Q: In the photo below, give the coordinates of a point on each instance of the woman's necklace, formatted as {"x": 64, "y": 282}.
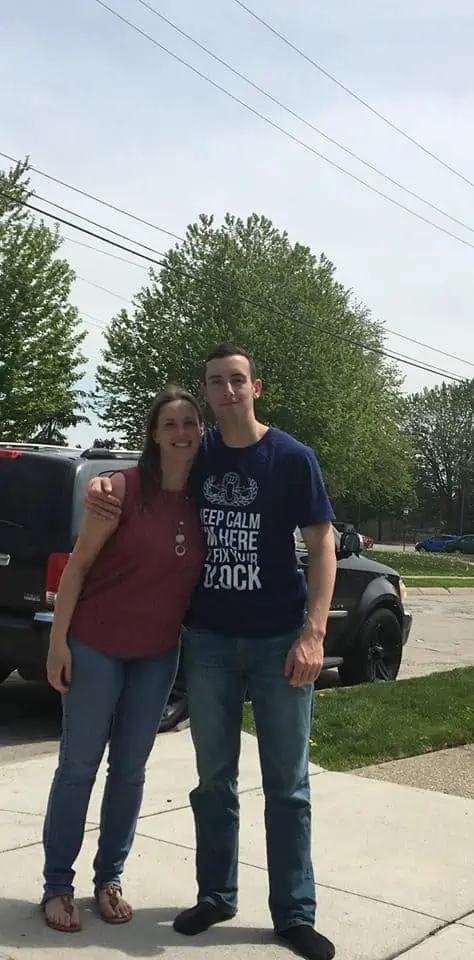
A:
{"x": 180, "y": 540}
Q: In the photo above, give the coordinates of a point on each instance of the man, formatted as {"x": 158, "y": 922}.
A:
{"x": 253, "y": 627}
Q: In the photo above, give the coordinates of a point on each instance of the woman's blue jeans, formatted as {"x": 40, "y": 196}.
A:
{"x": 110, "y": 700}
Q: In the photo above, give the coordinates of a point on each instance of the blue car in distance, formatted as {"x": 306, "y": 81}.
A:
{"x": 436, "y": 544}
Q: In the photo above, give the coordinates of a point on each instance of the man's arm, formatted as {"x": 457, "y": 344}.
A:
{"x": 305, "y": 659}
{"x": 319, "y": 541}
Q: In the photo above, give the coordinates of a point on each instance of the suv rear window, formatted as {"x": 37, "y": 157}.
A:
{"x": 33, "y": 500}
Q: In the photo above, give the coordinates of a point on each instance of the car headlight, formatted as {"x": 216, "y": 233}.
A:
{"x": 403, "y": 592}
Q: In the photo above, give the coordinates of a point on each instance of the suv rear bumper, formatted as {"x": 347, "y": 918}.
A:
{"x": 24, "y": 640}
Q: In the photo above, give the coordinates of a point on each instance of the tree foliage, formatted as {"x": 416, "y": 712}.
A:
{"x": 316, "y": 348}
{"x": 40, "y": 358}
{"x": 105, "y": 443}
{"x": 440, "y": 422}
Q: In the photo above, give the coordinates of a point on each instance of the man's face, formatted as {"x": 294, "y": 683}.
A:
{"x": 229, "y": 389}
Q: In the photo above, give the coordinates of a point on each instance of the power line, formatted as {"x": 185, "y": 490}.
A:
{"x": 301, "y": 119}
{"x": 105, "y": 253}
{"x": 94, "y": 223}
{"x": 420, "y": 343}
{"x": 91, "y": 233}
{"x": 98, "y": 323}
{"x": 90, "y": 322}
{"x": 353, "y": 94}
{"x": 98, "y": 286}
{"x": 402, "y": 358}
{"x": 90, "y": 196}
{"x": 280, "y": 129}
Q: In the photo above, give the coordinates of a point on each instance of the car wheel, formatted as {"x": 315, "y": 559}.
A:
{"x": 376, "y": 654}
{"x": 421, "y": 549}
{"x": 176, "y": 710}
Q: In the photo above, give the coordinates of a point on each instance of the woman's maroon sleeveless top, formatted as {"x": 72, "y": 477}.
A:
{"x": 137, "y": 592}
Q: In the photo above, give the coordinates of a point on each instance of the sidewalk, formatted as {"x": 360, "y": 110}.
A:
{"x": 395, "y": 868}
{"x": 447, "y": 771}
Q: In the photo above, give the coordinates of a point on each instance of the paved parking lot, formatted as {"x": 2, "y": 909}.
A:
{"x": 442, "y": 636}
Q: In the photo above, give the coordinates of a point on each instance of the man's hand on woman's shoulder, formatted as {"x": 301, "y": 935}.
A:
{"x": 104, "y": 497}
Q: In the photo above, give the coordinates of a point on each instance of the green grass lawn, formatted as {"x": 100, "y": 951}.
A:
{"x": 433, "y": 581}
{"x": 428, "y": 569}
{"x": 358, "y": 726}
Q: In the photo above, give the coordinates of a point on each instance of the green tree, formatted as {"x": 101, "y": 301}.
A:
{"x": 106, "y": 443}
{"x": 440, "y": 422}
{"x": 246, "y": 282}
{"x": 40, "y": 358}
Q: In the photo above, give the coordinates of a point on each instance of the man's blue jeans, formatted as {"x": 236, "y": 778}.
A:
{"x": 110, "y": 698}
{"x": 219, "y": 671}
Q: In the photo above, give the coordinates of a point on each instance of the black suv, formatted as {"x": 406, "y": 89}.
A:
{"x": 42, "y": 490}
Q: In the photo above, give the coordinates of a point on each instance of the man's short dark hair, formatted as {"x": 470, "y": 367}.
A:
{"x": 227, "y": 350}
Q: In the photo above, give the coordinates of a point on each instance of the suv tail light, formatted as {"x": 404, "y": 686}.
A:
{"x": 54, "y": 571}
{"x": 10, "y": 454}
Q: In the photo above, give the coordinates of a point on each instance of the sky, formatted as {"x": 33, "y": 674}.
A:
{"x": 99, "y": 106}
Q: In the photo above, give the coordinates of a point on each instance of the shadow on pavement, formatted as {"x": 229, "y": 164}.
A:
{"x": 149, "y": 933}
{"x": 29, "y": 713}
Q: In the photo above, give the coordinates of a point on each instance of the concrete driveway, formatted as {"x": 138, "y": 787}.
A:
{"x": 442, "y": 636}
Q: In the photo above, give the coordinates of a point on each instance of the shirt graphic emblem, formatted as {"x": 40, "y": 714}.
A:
{"x": 231, "y": 491}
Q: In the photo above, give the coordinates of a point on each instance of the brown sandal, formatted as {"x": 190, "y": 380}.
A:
{"x": 113, "y": 892}
{"x": 68, "y": 903}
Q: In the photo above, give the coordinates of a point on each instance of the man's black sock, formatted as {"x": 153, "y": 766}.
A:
{"x": 308, "y": 943}
{"x": 200, "y": 918}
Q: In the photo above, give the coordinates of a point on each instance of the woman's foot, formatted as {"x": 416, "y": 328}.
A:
{"x": 112, "y": 907}
{"x": 61, "y": 914}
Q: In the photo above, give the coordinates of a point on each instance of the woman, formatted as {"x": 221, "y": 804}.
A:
{"x": 114, "y": 651}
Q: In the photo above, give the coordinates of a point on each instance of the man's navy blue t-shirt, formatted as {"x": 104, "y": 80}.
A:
{"x": 251, "y": 500}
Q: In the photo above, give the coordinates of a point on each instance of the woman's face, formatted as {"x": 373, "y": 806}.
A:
{"x": 178, "y": 431}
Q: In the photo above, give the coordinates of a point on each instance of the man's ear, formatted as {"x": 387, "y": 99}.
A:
{"x": 257, "y": 389}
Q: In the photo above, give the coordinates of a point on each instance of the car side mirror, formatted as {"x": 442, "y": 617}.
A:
{"x": 349, "y": 544}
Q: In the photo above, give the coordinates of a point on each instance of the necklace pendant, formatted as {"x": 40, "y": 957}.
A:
{"x": 180, "y": 541}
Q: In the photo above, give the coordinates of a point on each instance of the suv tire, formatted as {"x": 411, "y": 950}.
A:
{"x": 376, "y": 653}
{"x": 176, "y": 710}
